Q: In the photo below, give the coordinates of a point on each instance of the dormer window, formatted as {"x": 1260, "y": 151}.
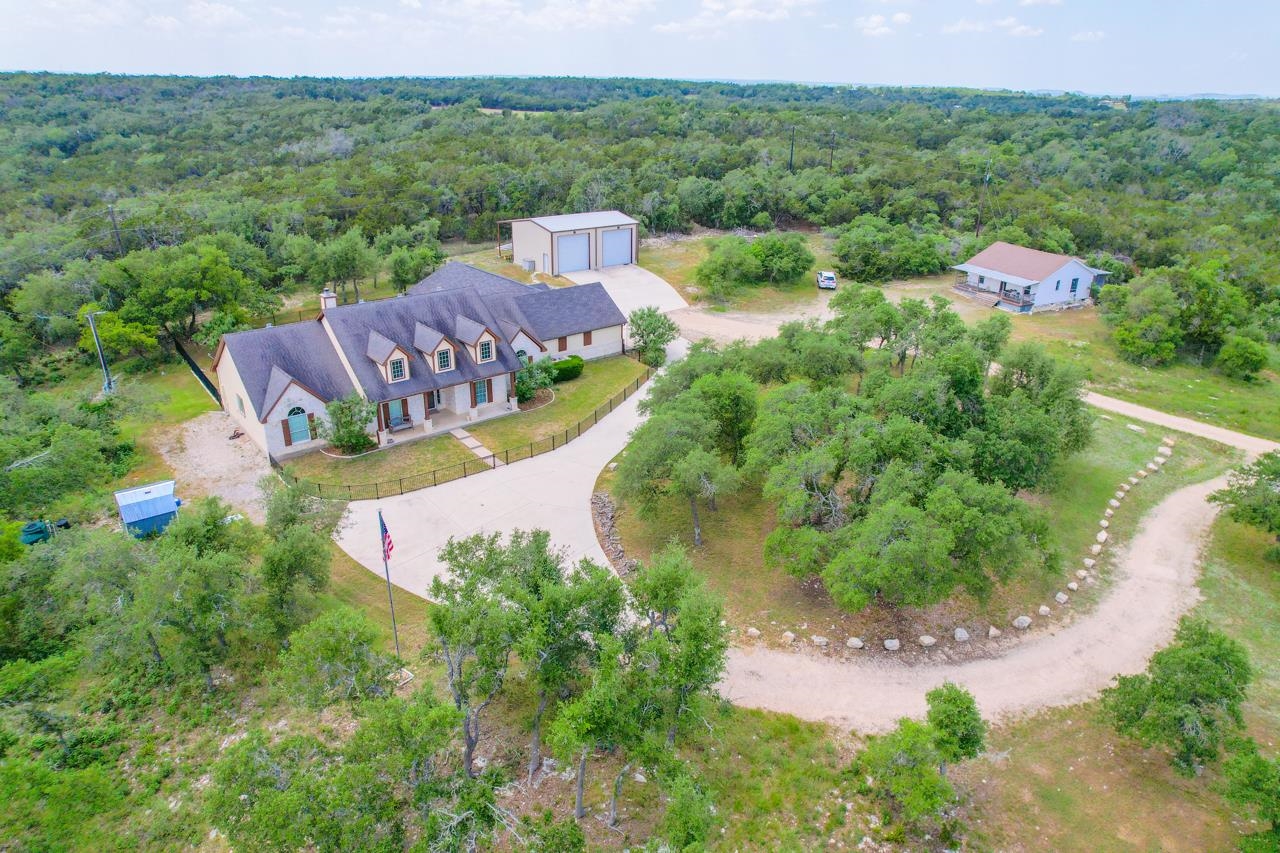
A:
{"x": 486, "y": 350}
{"x": 444, "y": 360}
{"x": 398, "y": 370}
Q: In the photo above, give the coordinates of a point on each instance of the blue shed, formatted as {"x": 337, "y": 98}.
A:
{"x": 147, "y": 509}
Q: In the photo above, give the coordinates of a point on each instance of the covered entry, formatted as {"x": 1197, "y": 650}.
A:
{"x": 617, "y": 247}
{"x": 574, "y": 251}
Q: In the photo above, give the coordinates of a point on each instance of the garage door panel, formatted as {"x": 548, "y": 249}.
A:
{"x": 617, "y": 247}
{"x": 573, "y": 252}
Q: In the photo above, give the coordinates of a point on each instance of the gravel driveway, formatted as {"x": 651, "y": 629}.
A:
{"x": 206, "y": 462}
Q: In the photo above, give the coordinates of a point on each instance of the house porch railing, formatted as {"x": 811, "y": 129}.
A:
{"x": 427, "y": 479}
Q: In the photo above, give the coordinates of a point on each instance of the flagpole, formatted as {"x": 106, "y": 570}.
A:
{"x": 386, "y": 571}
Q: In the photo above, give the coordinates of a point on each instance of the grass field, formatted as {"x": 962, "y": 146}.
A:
{"x": 399, "y": 460}
{"x": 575, "y": 400}
{"x": 676, "y": 259}
{"x": 762, "y": 596}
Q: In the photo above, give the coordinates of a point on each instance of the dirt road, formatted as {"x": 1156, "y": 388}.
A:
{"x": 1154, "y": 585}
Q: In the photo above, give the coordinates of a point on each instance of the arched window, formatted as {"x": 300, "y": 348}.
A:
{"x": 523, "y": 356}
{"x": 299, "y": 425}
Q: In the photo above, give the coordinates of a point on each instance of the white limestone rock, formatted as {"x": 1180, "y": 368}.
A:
{"x": 1164, "y": 450}
{"x": 753, "y": 633}
{"x": 892, "y": 645}
{"x": 1101, "y": 537}
{"x": 1089, "y": 563}
{"x": 961, "y": 635}
{"x": 993, "y": 632}
{"x": 927, "y": 641}
{"x": 1022, "y": 623}
{"x": 854, "y": 643}
{"x": 1142, "y": 474}
{"x": 1073, "y": 586}
{"x": 1044, "y": 610}
{"x": 820, "y": 642}
{"x": 788, "y": 637}
{"x": 1104, "y": 524}
{"x": 1113, "y": 503}
{"x": 1135, "y": 428}
{"x": 1095, "y": 549}
{"x": 1108, "y": 512}
{"x": 1061, "y": 598}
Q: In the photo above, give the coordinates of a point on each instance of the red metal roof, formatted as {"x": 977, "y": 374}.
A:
{"x": 1019, "y": 261}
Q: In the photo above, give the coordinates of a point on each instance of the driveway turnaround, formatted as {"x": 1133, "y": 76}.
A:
{"x": 632, "y": 287}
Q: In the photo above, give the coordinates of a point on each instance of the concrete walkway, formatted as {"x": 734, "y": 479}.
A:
{"x": 470, "y": 442}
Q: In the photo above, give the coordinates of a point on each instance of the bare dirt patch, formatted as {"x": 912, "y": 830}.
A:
{"x": 207, "y": 463}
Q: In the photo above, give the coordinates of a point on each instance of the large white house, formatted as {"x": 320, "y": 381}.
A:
{"x": 444, "y": 354}
{"x": 1022, "y": 279}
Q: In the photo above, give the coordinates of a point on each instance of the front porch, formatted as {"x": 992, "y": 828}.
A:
{"x": 397, "y": 430}
{"x": 1009, "y": 299}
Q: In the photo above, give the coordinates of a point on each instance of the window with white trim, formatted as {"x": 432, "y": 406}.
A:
{"x": 486, "y": 350}
{"x": 444, "y": 360}
{"x": 240, "y": 404}
{"x": 397, "y": 370}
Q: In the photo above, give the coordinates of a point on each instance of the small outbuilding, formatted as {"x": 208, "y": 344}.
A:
{"x": 147, "y": 510}
{"x": 573, "y": 241}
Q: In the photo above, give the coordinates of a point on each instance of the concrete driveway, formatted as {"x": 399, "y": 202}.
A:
{"x": 632, "y": 287}
{"x": 549, "y": 492}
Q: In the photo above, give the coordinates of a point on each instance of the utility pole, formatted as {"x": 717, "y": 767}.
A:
{"x": 115, "y": 228}
{"x": 107, "y": 385}
{"x": 831, "y": 160}
{"x": 791, "y": 160}
{"x": 982, "y": 199}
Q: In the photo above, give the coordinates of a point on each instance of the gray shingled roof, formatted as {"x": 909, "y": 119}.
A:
{"x": 398, "y": 320}
{"x": 467, "y": 330}
{"x": 267, "y": 358}
{"x": 457, "y": 303}
{"x": 568, "y": 311}
{"x": 379, "y": 347}
{"x": 426, "y": 339}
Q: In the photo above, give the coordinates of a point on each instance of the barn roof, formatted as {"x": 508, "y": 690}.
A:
{"x": 143, "y": 502}
{"x": 574, "y": 221}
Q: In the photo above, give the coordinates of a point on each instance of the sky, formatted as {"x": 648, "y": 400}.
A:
{"x": 1140, "y": 47}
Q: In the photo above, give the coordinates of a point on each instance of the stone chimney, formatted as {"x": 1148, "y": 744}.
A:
{"x": 328, "y": 299}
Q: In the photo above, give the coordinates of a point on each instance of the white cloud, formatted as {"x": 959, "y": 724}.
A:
{"x": 207, "y": 14}
{"x": 1039, "y": 2}
{"x": 879, "y": 25}
{"x": 164, "y": 23}
{"x": 715, "y": 15}
{"x": 1009, "y": 26}
{"x": 1089, "y": 35}
{"x": 86, "y": 13}
{"x": 411, "y": 4}
{"x": 964, "y": 25}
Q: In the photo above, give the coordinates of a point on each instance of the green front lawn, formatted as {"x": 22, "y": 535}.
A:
{"x": 575, "y": 400}
{"x": 402, "y": 459}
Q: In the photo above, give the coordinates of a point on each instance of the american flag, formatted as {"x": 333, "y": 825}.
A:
{"x": 387, "y": 545}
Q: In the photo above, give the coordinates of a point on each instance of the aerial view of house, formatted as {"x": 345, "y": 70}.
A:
{"x": 1022, "y": 279}
{"x": 561, "y": 426}
{"x": 443, "y": 354}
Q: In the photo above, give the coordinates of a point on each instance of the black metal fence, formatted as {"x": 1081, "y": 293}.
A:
{"x": 427, "y": 479}
{"x": 198, "y": 373}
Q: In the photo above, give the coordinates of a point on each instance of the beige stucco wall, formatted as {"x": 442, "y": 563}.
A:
{"x": 231, "y": 388}
{"x": 604, "y": 343}
{"x": 531, "y": 241}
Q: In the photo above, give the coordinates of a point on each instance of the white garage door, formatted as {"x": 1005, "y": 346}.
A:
{"x": 574, "y": 251}
{"x": 617, "y": 247}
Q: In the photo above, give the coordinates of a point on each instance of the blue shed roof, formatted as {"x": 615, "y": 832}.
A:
{"x": 142, "y": 502}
